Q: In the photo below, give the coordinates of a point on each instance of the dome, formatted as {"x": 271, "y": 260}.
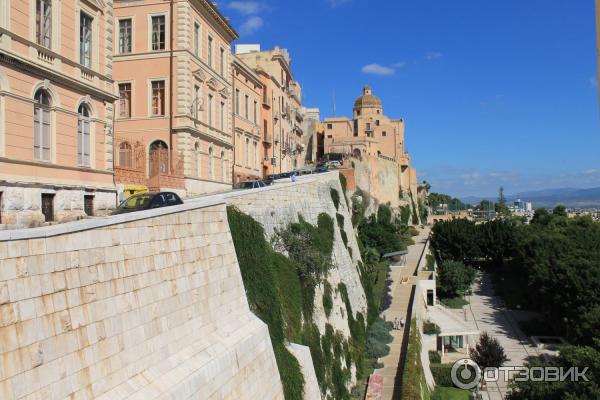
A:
{"x": 367, "y": 100}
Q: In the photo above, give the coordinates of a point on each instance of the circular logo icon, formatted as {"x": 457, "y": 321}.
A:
{"x": 465, "y": 374}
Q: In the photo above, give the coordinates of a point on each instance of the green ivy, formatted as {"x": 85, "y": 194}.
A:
{"x": 327, "y": 299}
{"x": 273, "y": 294}
{"x": 340, "y": 221}
{"x": 335, "y": 196}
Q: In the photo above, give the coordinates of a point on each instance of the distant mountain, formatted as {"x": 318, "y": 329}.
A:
{"x": 549, "y": 198}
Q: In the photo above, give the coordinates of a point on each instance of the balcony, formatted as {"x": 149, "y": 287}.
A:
{"x": 267, "y": 139}
{"x": 45, "y": 56}
{"x": 266, "y": 102}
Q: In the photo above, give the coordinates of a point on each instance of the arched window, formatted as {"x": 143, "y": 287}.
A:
{"x": 42, "y": 128}
{"x": 247, "y": 152}
{"x": 255, "y": 155}
{"x": 198, "y": 159}
{"x": 159, "y": 158}
{"x": 125, "y": 155}
{"x": 223, "y": 166}
{"x": 210, "y": 163}
{"x": 83, "y": 135}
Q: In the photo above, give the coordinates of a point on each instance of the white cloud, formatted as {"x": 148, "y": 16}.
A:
{"x": 245, "y": 7}
{"x": 400, "y": 64}
{"x": 251, "y": 25}
{"x": 434, "y": 55}
{"x": 593, "y": 82}
{"x": 377, "y": 69}
{"x": 336, "y": 3}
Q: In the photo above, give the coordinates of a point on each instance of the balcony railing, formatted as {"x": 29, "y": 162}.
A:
{"x": 45, "y": 56}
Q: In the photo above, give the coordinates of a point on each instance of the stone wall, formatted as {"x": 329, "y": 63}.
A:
{"x": 141, "y": 306}
{"x": 276, "y": 206}
{"x": 21, "y": 205}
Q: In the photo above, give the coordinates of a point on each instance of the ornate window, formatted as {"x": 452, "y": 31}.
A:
{"x": 124, "y": 100}
{"x": 83, "y": 136}
{"x": 210, "y": 164}
{"x": 85, "y": 40}
{"x": 42, "y": 126}
{"x": 158, "y": 32}
{"x": 43, "y": 22}
{"x": 125, "y": 36}
{"x": 223, "y": 166}
{"x": 125, "y": 155}
{"x": 158, "y": 98}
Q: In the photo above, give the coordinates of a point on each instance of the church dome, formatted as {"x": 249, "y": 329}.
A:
{"x": 367, "y": 100}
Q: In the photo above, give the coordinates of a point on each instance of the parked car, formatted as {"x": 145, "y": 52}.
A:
{"x": 304, "y": 171}
{"x": 146, "y": 201}
{"x": 321, "y": 169}
{"x": 249, "y": 185}
{"x": 334, "y": 164}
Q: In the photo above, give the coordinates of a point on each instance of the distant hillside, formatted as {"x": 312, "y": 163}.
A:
{"x": 570, "y": 197}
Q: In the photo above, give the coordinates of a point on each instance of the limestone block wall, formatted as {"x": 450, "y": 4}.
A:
{"x": 277, "y": 206}
{"x": 142, "y": 306}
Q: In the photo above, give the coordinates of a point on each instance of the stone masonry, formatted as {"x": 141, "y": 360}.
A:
{"x": 142, "y": 306}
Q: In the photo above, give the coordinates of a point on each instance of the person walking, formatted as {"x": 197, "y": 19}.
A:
{"x": 402, "y": 322}
{"x": 294, "y": 177}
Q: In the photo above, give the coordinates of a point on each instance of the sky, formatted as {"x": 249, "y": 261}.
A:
{"x": 493, "y": 92}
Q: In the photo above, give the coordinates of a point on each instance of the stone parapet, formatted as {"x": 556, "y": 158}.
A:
{"x": 142, "y": 306}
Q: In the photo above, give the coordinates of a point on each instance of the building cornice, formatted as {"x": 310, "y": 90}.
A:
{"x": 15, "y": 61}
{"x": 249, "y": 72}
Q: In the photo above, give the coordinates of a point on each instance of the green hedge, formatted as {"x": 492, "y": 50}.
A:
{"x": 442, "y": 374}
{"x": 413, "y": 378}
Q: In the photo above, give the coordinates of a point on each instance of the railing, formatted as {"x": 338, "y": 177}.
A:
{"x": 45, "y": 56}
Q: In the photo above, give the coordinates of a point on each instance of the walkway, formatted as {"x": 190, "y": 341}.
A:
{"x": 401, "y": 301}
{"x": 487, "y": 313}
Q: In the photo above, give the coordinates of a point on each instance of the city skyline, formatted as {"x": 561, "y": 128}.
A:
{"x": 480, "y": 105}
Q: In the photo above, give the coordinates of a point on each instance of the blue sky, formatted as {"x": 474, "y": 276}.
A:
{"x": 493, "y": 93}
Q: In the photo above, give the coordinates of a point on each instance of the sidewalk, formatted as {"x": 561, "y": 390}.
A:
{"x": 401, "y": 296}
{"x": 486, "y": 311}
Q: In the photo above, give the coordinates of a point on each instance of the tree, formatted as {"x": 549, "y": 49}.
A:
{"x": 501, "y": 198}
{"x": 457, "y": 240}
{"x": 541, "y": 216}
{"x": 569, "y": 356}
{"x": 498, "y": 239}
{"x": 488, "y": 352}
{"x": 502, "y": 210}
{"x": 455, "y": 278}
{"x": 559, "y": 211}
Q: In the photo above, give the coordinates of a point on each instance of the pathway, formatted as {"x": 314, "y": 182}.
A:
{"x": 487, "y": 312}
{"x": 401, "y": 301}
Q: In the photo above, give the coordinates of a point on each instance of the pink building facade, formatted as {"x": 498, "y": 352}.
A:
{"x": 247, "y": 110}
{"x": 173, "y": 120}
{"x": 56, "y": 111}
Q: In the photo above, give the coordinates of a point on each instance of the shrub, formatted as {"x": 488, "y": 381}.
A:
{"x": 405, "y": 214}
{"x": 327, "y": 299}
{"x": 430, "y": 328}
{"x": 340, "y": 220}
{"x": 376, "y": 349}
{"x": 434, "y": 357}
{"x": 455, "y": 278}
{"x": 335, "y": 196}
{"x": 488, "y": 352}
{"x": 344, "y": 184}
{"x": 442, "y": 374}
{"x": 413, "y": 231}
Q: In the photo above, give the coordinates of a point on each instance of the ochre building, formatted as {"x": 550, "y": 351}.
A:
{"x": 173, "y": 121}
{"x": 374, "y": 145}
{"x": 56, "y": 111}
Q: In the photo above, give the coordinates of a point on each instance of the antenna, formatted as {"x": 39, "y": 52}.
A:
{"x": 334, "y": 102}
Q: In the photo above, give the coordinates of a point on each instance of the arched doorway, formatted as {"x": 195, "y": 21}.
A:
{"x": 159, "y": 158}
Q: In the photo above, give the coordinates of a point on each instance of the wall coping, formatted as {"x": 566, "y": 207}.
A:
{"x": 189, "y": 204}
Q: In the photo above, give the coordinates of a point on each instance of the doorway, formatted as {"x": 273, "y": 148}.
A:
{"x": 88, "y": 205}
{"x": 48, "y": 206}
{"x": 159, "y": 158}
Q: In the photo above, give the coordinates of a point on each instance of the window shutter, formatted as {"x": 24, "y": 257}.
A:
{"x": 46, "y": 135}
{"x": 79, "y": 141}
{"x": 86, "y": 142}
{"x": 37, "y": 133}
